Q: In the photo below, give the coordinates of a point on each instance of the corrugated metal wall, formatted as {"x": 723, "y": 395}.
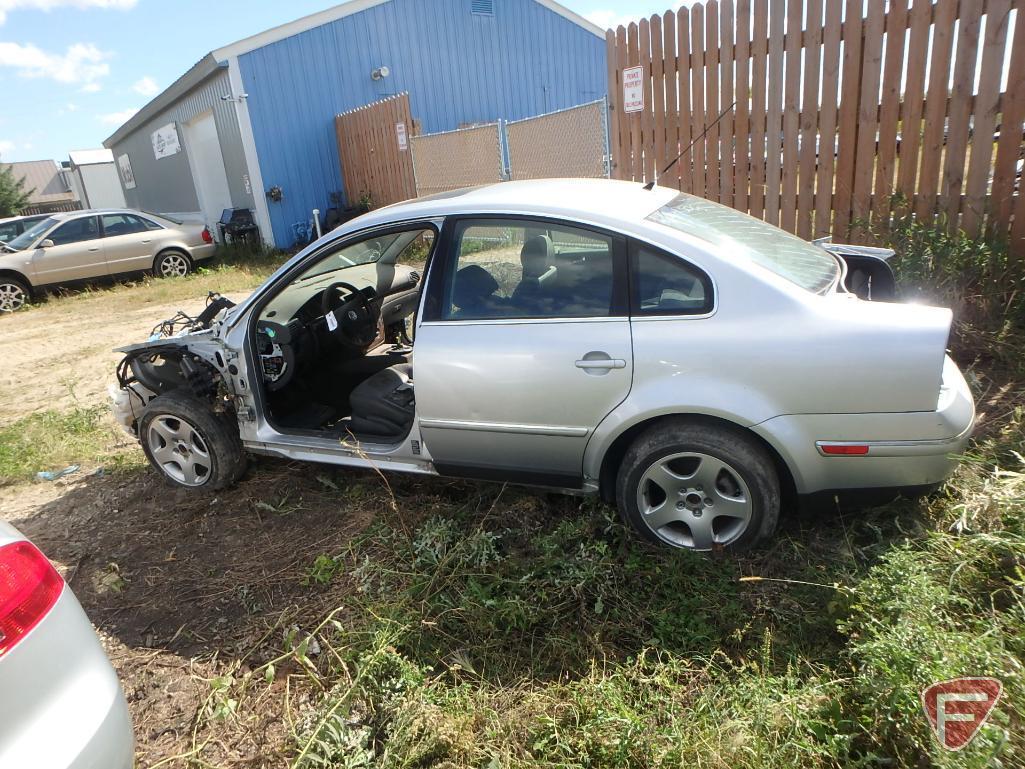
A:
{"x": 458, "y": 67}
{"x": 166, "y": 185}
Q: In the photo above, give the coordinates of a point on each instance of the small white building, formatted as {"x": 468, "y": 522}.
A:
{"x": 94, "y": 179}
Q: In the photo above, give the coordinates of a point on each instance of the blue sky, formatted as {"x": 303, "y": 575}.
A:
{"x": 71, "y": 71}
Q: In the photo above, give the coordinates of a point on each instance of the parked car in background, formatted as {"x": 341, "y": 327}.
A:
{"x": 71, "y": 248}
{"x": 15, "y": 225}
{"x": 695, "y": 366}
{"x": 61, "y": 705}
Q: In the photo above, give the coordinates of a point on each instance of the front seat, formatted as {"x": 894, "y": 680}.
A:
{"x": 536, "y": 260}
{"x": 382, "y": 406}
{"x": 473, "y": 292}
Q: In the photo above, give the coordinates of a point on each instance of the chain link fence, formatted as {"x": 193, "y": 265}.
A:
{"x": 569, "y": 143}
{"x": 465, "y": 158}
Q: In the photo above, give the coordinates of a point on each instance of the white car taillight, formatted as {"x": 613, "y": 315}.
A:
{"x": 29, "y": 587}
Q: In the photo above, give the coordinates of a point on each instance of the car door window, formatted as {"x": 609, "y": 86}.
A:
{"x": 75, "y": 231}
{"x": 8, "y": 231}
{"x": 121, "y": 224}
{"x": 526, "y": 269}
{"x": 664, "y": 284}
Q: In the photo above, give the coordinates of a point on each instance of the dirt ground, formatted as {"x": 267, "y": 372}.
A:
{"x": 175, "y": 585}
{"x": 60, "y": 354}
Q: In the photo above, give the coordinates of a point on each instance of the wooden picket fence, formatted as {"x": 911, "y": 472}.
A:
{"x": 374, "y": 151}
{"x": 872, "y": 102}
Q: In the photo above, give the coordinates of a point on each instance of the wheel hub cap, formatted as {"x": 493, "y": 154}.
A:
{"x": 11, "y": 297}
{"x": 695, "y": 501}
{"x": 179, "y": 450}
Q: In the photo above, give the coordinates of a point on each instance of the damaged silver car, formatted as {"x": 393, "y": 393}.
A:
{"x": 696, "y": 367}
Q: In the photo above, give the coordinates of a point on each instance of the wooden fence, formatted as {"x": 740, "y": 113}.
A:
{"x": 840, "y": 105}
{"x": 373, "y": 147}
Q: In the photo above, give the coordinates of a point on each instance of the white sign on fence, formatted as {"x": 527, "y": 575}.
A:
{"x": 165, "y": 141}
{"x": 633, "y": 89}
{"x": 400, "y": 132}
{"x": 124, "y": 165}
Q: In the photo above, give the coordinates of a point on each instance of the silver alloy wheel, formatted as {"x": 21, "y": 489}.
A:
{"x": 179, "y": 450}
{"x": 694, "y": 501}
{"x": 12, "y": 297}
{"x": 174, "y": 265}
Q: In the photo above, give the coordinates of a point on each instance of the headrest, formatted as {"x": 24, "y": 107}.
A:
{"x": 472, "y": 284}
{"x": 535, "y": 257}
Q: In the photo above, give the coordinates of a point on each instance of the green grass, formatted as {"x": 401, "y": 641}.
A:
{"x": 52, "y": 440}
{"x": 508, "y": 630}
{"x": 231, "y": 271}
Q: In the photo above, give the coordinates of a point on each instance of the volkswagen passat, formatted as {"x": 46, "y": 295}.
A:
{"x": 68, "y": 249}
{"x": 61, "y": 706}
{"x": 693, "y": 365}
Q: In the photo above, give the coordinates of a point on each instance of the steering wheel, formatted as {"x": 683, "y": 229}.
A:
{"x": 355, "y": 317}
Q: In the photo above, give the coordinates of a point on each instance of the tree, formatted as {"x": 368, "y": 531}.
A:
{"x": 13, "y": 195}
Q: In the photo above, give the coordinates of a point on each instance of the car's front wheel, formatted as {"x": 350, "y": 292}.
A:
{"x": 698, "y": 486}
{"x": 189, "y": 444}
{"x": 172, "y": 264}
{"x": 14, "y": 294}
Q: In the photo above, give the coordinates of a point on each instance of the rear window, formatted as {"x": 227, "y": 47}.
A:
{"x": 797, "y": 260}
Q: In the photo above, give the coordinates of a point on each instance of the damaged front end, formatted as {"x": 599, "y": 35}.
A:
{"x": 182, "y": 354}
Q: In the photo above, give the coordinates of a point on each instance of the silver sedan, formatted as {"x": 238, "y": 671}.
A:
{"x": 72, "y": 248}
{"x": 702, "y": 370}
{"x": 61, "y": 705}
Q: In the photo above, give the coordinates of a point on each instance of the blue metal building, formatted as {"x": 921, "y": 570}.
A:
{"x": 461, "y": 61}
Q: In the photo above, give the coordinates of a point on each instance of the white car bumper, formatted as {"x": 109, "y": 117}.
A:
{"x": 61, "y": 705}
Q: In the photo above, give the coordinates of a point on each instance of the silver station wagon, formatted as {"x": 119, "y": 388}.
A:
{"x": 696, "y": 367}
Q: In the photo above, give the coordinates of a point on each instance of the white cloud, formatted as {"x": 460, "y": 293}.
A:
{"x": 6, "y": 6}
{"x": 117, "y": 118}
{"x": 71, "y": 107}
{"x": 146, "y": 86}
{"x": 6, "y": 146}
{"x": 91, "y": 88}
{"x": 81, "y": 63}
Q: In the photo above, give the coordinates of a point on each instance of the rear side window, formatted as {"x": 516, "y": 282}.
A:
{"x": 76, "y": 231}
{"x": 743, "y": 236}
{"x": 663, "y": 284}
{"x": 122, "y": 224}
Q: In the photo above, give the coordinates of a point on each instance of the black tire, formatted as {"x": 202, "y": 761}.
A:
{"x": 14, "y": 294}
{"x": 189, "y": 445}
{"x": 682, "y": 455}
{"x": 172, "y": 263}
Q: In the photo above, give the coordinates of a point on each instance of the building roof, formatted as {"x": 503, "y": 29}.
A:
{"x": 91, "y": 157}
{"x": 43, "y": 177}
{"x": 219, "y": 57}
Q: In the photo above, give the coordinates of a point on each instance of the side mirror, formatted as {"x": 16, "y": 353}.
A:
{"x": 46, "y": 243}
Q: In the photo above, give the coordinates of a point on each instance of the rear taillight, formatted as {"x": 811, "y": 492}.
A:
{"x": 29, "y": 587}
{"x": 207, "y": 237}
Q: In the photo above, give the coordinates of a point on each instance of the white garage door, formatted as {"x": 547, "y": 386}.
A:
{"x": 207, "y": 166}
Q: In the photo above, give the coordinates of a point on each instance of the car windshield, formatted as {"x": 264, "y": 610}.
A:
{"x": 364, "y": 252}
{"x": 797, "y": 260}
{"x": 29, "y": 236}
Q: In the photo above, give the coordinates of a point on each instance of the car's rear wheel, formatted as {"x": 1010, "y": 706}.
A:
{"x": 172, "y": 264}
{"x": 190, "y": 445}
{"x": 696, "y": 486}
{"x": 14, "y": 294}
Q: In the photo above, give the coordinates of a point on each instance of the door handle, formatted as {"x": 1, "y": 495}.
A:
{"x": 606, "y": 363}
{"x": 94, "y": 249}
{"x": 148, "y": 240}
